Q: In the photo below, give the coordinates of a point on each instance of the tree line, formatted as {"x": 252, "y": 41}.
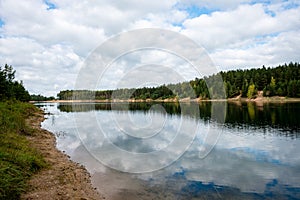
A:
{"x": 38, "y": 97}
{"x": 283, "y": 80}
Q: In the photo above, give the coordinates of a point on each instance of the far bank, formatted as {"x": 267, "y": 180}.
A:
{"x": 275, "y": 99}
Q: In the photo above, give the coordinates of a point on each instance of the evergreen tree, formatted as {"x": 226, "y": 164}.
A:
{"x": 10, "y": 89}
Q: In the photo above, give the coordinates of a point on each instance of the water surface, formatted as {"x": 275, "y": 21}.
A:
{"x": 256, "y": 155}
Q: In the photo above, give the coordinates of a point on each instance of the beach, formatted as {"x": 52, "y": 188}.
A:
{"x": 63, "y": 178}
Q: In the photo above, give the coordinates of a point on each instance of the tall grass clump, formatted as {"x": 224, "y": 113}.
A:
{"x": 18, "y": 160}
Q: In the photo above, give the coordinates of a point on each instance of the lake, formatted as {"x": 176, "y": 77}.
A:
{"x": 183, "y": 151}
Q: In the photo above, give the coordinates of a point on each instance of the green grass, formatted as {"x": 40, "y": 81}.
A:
{"x": 18, "y": 160}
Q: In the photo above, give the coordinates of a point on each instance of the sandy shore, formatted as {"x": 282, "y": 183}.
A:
{"x": 63, "y": 178}
{"x": 275, "y": 99}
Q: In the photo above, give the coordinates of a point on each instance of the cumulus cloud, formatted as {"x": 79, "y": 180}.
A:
{"x": 248, "y": 36}
{"x": 275, "y": 50}
{"x": 47, "y": 41}
{"x": 222, "y": 29}
{"x": 42, "y": 69}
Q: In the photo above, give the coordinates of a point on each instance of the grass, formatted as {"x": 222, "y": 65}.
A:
{"x": 18, "y": 160}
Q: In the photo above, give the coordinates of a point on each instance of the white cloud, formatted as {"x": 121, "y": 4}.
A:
{"x": 40, "y": 67}
{"x": 49, "y": 27}
{"x": 222, "y": 29}
{"x": 46, "y": 46}
{"x": 276, "y": 50}
{"x": 248, "y": 36}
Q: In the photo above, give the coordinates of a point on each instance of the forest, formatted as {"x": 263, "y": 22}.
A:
{"x": 283, "y": 80}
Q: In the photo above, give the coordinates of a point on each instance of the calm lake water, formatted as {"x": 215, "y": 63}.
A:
{"x": 180, "y": 151}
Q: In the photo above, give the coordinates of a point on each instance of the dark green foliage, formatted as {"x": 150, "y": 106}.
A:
{"x": 18, "y": 161}
{"x": 162, "y": 92}
{"x": 39, "y": 97}
{"x": 10, "y": 89}
{"x": 283, "y": 80}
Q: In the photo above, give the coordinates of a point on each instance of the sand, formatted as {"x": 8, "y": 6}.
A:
{"x": 63, "y": 178}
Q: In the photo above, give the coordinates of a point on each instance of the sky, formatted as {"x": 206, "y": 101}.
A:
{"x": 48, "y": 41}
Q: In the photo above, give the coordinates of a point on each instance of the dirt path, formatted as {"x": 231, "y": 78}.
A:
{"x": 63, "y": 179}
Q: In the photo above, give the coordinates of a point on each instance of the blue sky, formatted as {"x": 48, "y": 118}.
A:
{"x": 50, "y": 5}
{"x": 47, "y": 41}
{"x": 1, "y": 22}
{"x": 195, "y": 11}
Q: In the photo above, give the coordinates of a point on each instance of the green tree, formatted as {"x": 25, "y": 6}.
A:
{"x": 272, "y": 87}
{"x": 10, "y": 89}
{"x": 251, "y": 91}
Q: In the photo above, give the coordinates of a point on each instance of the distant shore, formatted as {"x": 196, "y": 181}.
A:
{"x": 274, "y": 99}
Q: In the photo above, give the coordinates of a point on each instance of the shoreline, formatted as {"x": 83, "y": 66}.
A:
{"x": 63, "y": 178}
{"x": 274, "y": 99}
